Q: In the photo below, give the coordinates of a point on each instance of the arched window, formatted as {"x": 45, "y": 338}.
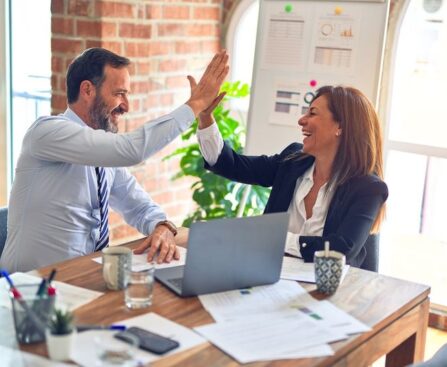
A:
{"x": 414, "y": 237}
{"x": 240, "y": 41}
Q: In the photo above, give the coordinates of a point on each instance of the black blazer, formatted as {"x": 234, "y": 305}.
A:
{"x": 351, "y": 212}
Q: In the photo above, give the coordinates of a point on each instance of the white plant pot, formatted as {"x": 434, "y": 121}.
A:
{"x": 60, "y": 346}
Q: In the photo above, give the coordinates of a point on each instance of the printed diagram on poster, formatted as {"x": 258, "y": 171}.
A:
{"x": 291, "y": 100}
{"x": 285, "y": 42}
{"x": 335, "y": 39}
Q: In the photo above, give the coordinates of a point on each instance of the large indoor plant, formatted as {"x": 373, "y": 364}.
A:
{"x": 217, "y": 197}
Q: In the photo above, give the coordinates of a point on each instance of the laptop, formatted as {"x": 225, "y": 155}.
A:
{"x": 227, "y": 254}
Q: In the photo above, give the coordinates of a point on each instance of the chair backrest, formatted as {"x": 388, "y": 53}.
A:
{"x": 371, "y": 261}
{"x": 3, "y": 227}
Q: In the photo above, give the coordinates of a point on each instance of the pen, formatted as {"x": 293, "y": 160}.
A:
{"x": 42, "y": 287}
{"x": 100, "y": 327}
{"x": 51, "y": 290}
{"x": 16, "y": 294}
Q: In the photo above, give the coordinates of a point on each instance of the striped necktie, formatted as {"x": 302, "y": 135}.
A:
{"x": 104, "y": 209}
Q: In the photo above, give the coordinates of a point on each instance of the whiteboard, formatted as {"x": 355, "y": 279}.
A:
{"x": 301, "y": 46}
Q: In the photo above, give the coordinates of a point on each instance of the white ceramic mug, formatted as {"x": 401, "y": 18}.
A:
{"x": 116, "y": 261}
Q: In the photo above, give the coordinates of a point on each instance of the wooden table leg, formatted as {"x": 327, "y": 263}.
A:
{"x": 412, "y": 349}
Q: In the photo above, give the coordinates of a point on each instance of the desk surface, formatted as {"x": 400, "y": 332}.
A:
{"x": 396, "y": 310}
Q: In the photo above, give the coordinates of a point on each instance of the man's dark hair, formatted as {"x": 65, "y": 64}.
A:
{"x": 90, "y": 66}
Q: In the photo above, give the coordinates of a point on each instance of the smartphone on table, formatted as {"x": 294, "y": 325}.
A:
{"x": 148, "y": 340}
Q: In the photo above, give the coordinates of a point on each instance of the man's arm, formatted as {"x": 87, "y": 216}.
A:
{"x": 129, "y": 199}
{"x": 56, "y": 139}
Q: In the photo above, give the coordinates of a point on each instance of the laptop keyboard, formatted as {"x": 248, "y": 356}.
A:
{"x": 176, "y": 282}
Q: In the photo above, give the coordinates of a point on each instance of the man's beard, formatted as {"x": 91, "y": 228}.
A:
{"x": 100, "y": 117}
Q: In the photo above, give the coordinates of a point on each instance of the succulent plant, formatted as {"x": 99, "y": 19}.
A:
{"x": 61, "y": 322}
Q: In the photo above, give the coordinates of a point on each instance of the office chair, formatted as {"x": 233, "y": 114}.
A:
{"x": 3, "y": 227}
{"x": 371, "y": 261}
{"x": 438, "y": 360}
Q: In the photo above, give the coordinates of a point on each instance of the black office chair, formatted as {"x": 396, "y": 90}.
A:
{"x": 3, "y": 227}
{"x": 371, "y": 261}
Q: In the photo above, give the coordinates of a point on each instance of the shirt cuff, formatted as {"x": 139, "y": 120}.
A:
{"x": 184, "y": 116}
{"x": 208, "y": 132}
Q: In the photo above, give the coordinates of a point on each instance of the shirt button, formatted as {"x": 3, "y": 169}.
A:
{"x": 304, "y": 245}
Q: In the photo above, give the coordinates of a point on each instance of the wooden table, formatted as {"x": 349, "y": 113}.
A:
{"x": 396, "y": 310}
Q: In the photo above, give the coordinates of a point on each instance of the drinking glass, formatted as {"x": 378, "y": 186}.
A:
{"x": 138, "y": 293}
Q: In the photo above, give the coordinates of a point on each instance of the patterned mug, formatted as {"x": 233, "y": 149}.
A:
{"x": 328, "y": 270}
{"x": 116, "y": 261}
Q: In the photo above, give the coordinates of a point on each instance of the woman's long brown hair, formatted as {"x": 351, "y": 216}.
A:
{"x": 361, "y": 147}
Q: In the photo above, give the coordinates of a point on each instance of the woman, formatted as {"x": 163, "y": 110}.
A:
{"x": 331, "y": 184}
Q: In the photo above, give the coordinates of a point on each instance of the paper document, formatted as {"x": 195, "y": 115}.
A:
{"x": 17, "y": 358}
{"x": 297, "y": 269}
{"x": 68, "y": 296}
{"x": 269, "y": 337}
{"x": 84, "y": 351}
{"x": 139, "y": 262}
{"x": 284, "y": 297}
{"x": 262, "y": 299}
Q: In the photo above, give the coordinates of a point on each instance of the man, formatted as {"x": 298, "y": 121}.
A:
{"x": 70, "y": 167}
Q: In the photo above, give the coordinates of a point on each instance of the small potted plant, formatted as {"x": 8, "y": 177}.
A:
{"x": 60, "y": 335}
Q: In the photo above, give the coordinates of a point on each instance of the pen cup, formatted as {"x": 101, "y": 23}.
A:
{"x": 328, "y": 270}
{"x": 138, "y": 293}
{"x": 31, "y": 313}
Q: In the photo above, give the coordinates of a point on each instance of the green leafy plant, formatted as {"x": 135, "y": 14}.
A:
{"x": 217, "y": 197}
{"x": 61, "y": 322}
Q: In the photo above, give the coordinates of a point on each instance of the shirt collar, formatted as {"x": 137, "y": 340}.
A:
{"x": 71, "y": 115}
{"x": 309, "y": 176}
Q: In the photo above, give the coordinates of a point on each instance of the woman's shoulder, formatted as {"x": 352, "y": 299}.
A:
{"x": 368, "y": 185}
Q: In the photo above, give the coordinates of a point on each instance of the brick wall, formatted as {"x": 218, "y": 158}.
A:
{"x": 166, "y": 40}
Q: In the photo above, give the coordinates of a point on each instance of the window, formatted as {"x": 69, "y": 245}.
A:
{"x": 30, "y": 67}
{"x": 241, "y": 42}
{"x": 414, "y": 237}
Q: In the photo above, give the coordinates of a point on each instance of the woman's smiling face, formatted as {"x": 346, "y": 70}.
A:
{"x": 321, "y": 132}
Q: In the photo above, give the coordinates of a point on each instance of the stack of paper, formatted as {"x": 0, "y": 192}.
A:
{"x": 139, "y": 262}
{"x": 68, "y": 296}
{"x": 275, "y": 322}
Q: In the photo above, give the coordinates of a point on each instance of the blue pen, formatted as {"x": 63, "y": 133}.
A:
{"x": 16, "y": 294}
{"x": 100, "y": 327}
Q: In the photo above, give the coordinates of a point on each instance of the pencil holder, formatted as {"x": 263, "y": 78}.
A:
{"x": 31, "y": 313}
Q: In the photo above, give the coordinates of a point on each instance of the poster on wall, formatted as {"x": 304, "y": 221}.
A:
{"x": 335, "y": 39}
{"x": 287, "y": 37}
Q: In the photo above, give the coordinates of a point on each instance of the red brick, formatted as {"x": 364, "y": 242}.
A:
{"x": 143, "y": 67}
{"x": 159, "y": 48}
{"x": 56, "y": 65}
{"x": 80, "y": 7}
{"x": 113, "y": 46}
{"x": 210, "y": 46}
{"x": 130, "y": 30}
{"x": 62, "y": 26}
{"x": 176, "y": 82}
{"x": 201, "y": 30}
{"x": 183, "y": 47}
{"x": 57, "y": 7}
{"x": 116, "y": 10}
{"x": 154, "y": 12}
{"x": 171, "y": 29}
{"x": 58, "y": 102}
{"x": 209, "y": 13}
{"x": 163, "y": 197}
{"x": 175, "y": 12}
{"x": 93, "y": 43}
{"x": 95, "y": 28}
{"x": 152, "y": 101}
{"x": 171, "y": 65}
{"x": 138, "y": 87}
{"x": 166, "y": 99}
{"x": 66, "y": 45}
